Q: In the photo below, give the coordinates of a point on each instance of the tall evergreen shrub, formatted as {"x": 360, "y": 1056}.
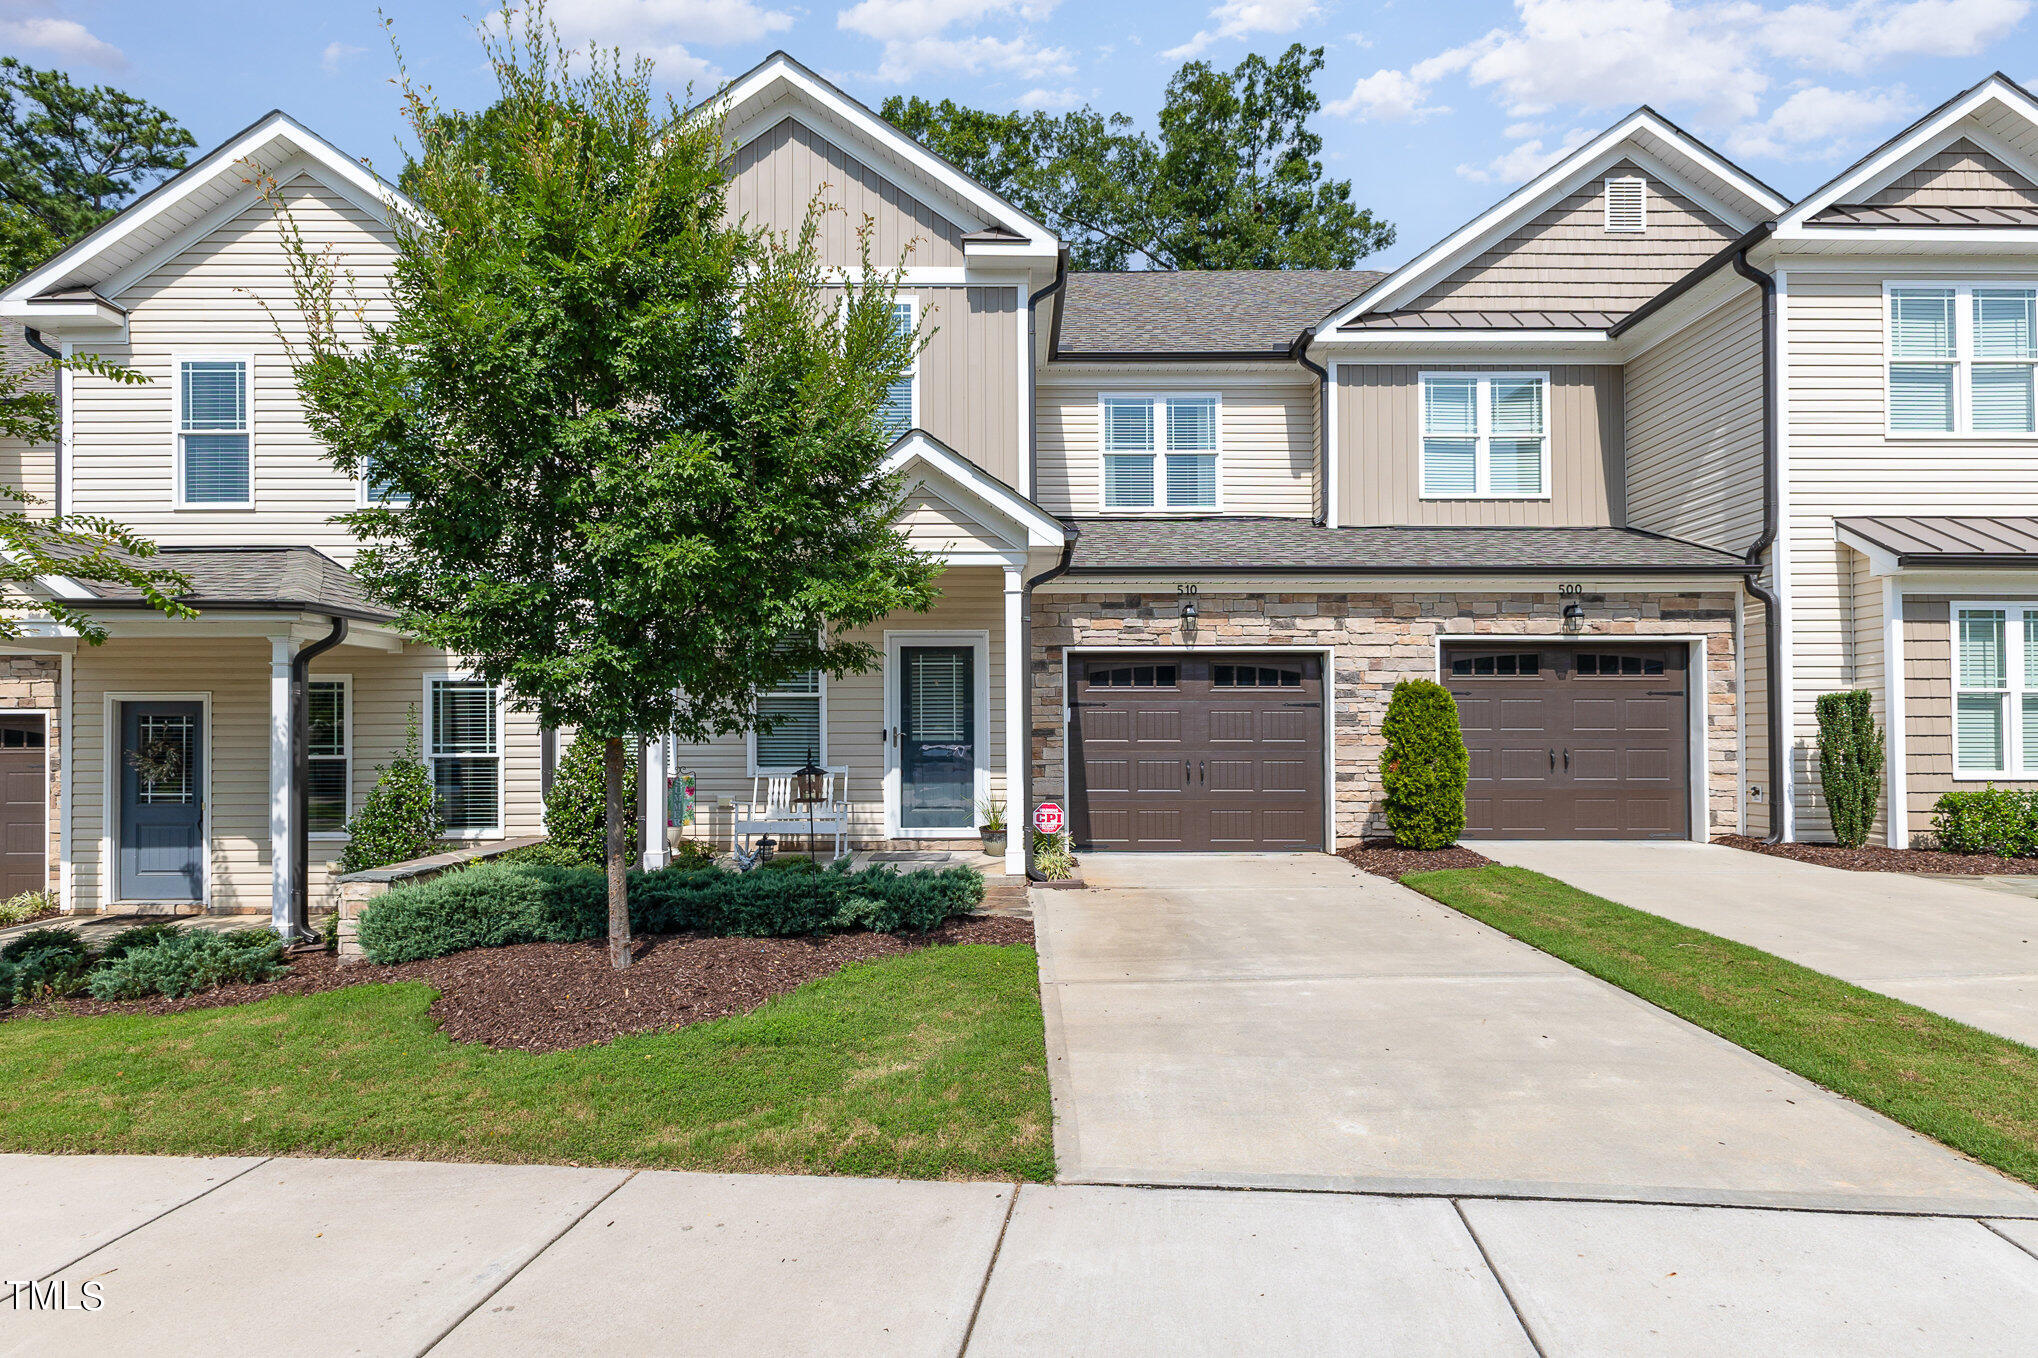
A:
{"x": 1850, "y": 764}
{"x": 1424, "y": 767}
{"x": 399, "y": 818}
{"x": 575, "y": 808}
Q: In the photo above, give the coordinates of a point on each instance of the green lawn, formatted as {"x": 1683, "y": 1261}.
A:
{"x": 927, "y": 1065}
{"x": 1972, "y": 1090}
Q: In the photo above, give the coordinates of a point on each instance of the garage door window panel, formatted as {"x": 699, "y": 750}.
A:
{"x": 1995, "y": 682}
{"x": 1485, "y": 436}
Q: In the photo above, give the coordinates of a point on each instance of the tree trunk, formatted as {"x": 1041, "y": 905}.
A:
{"x": 621, "y": 819}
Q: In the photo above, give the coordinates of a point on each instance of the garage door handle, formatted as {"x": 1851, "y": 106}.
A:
{"x": 1553, "y": 761}
{"x": 1199, "y": 772}
{"x": 1185, "y": 772}
{"x": 1567, "y": 759}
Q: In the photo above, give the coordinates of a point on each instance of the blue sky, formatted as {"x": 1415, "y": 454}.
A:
{"x": 1434, "y": 108}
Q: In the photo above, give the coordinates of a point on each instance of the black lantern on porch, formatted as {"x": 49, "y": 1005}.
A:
{"x": 810, "y": 788}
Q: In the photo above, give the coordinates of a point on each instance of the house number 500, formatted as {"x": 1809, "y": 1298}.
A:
{"x": 1570, "y": 589}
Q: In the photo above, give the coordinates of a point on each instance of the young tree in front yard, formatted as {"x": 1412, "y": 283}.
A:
{"x": 1850, "y": 763}
{"x": 640, "y": 442}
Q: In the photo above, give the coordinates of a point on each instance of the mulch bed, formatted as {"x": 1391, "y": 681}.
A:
{"x": 543, "y": 997}
{"x": 1385, "y": 858}
{"x": 1870, "y": 858}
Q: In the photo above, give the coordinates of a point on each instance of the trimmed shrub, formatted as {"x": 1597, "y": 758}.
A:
{"x": 499, "y": 904}
{"x": 1424, "y": 767}
{"x": 1988, "y": 820}
{"x": 1850, "y": 764}
{"x": 181, "y": 964}
{"x": 399, "y": 818}
{"x": 576, "y": 816}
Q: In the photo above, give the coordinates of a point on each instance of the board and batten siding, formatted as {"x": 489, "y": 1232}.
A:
{"x": 1566, "y": 259}
{"x": 1928, "y": 706}
{"x": 1266, "y": 440}
{"x": 778, "y": 174}
{"x": 1694, "y": 430}
{"x": 1379, "y": 450}
{"x": 211, "y": 299}
{"x": 1843, "y": 463}
{"x": 233, "y": 674}
{"x": 972, "y": 599}
{"x": 969, "y": 385}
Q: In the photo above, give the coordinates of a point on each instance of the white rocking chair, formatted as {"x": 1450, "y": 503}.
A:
{"x": 772, "y": 812}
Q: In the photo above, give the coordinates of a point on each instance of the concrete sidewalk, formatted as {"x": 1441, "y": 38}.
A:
{"x": 322, "y": 1256}
{"x": 1943, "y": 944}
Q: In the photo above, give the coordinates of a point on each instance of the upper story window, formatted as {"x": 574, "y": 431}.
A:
{"x": 214, "y": 466}
{"x": 800, "y": 733}
{"x": 900, "y": 409}
{"x": 1961, "y": 358}
{"x": 377, "y": 491}
{"x": 1627, "y": 204}
{"x": 1995, "y": 681}
{"x": 1485, "y": 436}
{"x": 463, "y": 741}
{"x": 1160, "y": 452}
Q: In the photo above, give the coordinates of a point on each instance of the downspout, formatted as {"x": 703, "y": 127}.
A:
{"x": 1023, "y": 778}
{"x": 300, "y": 780}
{"x": 35, "y": 342}
{"x": 1059, "y": 568}
{"x": 1299, "y": 351}
{"x": 1772, "y": 615}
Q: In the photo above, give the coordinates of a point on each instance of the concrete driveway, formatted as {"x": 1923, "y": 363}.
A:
{"x": 1950, "y": 946}
{"x": 1286, "y": 1021}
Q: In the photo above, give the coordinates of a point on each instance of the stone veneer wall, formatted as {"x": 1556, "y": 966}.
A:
{"x": 1379, "y": 640}
{"x": 29, "y": 682}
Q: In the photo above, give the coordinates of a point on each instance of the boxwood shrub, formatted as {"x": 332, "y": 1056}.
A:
{"x": 496, "y": 904}
{"x": 1987, "y": 820}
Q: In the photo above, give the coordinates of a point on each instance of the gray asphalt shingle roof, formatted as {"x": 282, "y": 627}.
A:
{"x": 1944, "y": 539}
{"x": 1250, "y": 544}
{"x": 1219, "y": 311}
{"x": 280, "y": 578}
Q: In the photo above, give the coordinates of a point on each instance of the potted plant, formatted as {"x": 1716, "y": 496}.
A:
{"x": 991, "y": 826}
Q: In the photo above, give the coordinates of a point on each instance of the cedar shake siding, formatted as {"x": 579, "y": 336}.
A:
{"x": 1694, "y": 430}
{"x": 1962, "y": 175}
{"x": 1928, "y": 705}
{"x": 1379, "y": 449}
{"x": 776, "y": 176}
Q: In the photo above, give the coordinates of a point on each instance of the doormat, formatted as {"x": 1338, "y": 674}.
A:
{"x": 910, "y": 856}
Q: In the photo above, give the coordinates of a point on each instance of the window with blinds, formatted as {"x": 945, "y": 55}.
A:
{"x": 463, "y": 741}
{"x": 1160, "y": 452}
{"x": 1995, "y": 684}
{"x": 213, "y": 463}
{"x": 899, "y": 410}
{"x": 1485, "y": 436}
{"x": 790, "y": 722}
{"x": 376, "y": 490}
{"x": 1961, "y": 359}
{"x": 331, "y": 759}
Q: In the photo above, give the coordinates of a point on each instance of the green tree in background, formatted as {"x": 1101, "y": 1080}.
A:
{"x": 70, "y": 155}
{"x": 1233, "y": 181}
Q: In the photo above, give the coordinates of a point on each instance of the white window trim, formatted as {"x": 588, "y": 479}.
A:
{"x": 1482, "y": 470}
{"x": 1963, "y": 429}
{"x": 820, "y": 755}
{"x": 501, "y": 744}
{"x": 2012, "y": 693}
{"x": 1158, "y": 399}
{"x": 911, "y": 302}
{"x": 177, "y": 362}
{"x": 1606, "y": 191}
{"x": 364, "y": 500}
{"x": 346, "y": 683}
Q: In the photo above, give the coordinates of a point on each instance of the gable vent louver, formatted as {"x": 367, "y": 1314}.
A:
{"x": 1627, "y": 204}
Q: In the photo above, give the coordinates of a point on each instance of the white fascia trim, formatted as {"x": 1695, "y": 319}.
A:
{"x": 1543, "y": 582}
{"x": 1881, "y": 561}
{"x": 1889, "y": 159}
{"x": 779, "y": 68}
{"x": 1949, "y": 239}
{"x": 1553, "y": 183}
{"x": 348, "y": 177}
{"x": 1462, "y": 339}
{"x": 1042, "y": 529}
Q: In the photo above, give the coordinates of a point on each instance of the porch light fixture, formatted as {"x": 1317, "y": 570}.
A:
{"x": 1574, "y": 617}
{"x": 810, "y": 787}
{"x": 1189, "y": 611}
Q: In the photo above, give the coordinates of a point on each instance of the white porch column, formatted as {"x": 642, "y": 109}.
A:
{"x": 1897, "y": 815}
{"x": 1018, "y": 724}
{"x": 651, "y": 797}
{"x": 282, "y": 847}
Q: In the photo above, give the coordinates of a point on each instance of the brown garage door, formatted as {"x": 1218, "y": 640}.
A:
{"x": 24, "y": 806}
{"x": 1574, "y": 741}
{"x": 1196, "y": 752}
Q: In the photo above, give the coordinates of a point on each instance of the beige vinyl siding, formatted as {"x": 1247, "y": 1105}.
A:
{"x": 774, "y": 178}
{"x": 1266, "y": 441}
{"x": 210, "y": 299}
{"x": 972, "y": 599}
{"x": 1928, "y": 703}
{"x": 1843, "y": 463}
{"x": 1962, "y": 175}
{"x": 1694, "y": 430}
{"x": 24, "y": 466}
{"x": 1379, "y": 449}
{"x": 1566, "y": 258}
{"x": 232, "y": 673}
{"x": 1755, "y": 716}
{"x": 969, "y": 394}
{"x": 931, "y": 524}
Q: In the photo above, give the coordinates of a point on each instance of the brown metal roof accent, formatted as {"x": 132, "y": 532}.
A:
{"x": 265, "y": 579}
{"x": 1228, "y": 313}
{"x": 1950, "y": 540}
{"x": 1434, "y": 319}
{"x": 1870, "y": 214}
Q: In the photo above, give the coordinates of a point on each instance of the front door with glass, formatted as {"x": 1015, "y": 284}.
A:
{"x": 937, "y": 738}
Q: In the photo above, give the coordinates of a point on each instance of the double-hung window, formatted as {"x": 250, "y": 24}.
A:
{"x": 1961, "y": 359}
{"x": 214, "y": 465}
{"x": 1160, "y": 452}
{"x": 331, "y": 756}
{"x": 900, "y": 409}
{"x": 1995, "y": 690}
{"x": 795, "y": 710}
{"x": 376, "y": 490}
{"x": 1485, "y": 436}
{"x": 464, "y": 743}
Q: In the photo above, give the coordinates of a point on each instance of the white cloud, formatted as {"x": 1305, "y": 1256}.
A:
{"x": 650, "y": 26}
{"x": 1526, "y": 161}
{"x": 1051, "y": 101}
{"x": 1242, "y": 18}
{"x": 1386, "y": 97}
{"x": 915, "y": 39}
{"x": 888, "y": 20}
{"x": 64, "y": 38}
{"x": 337, "y": 54}
{"x": 1816, "y": 121}
{"x": 1853, "y": 37}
